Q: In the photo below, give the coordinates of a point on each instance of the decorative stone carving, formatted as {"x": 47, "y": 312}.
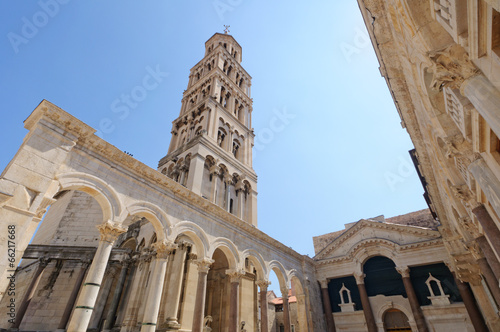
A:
{"x": 206, "y": 323}
{"x": 451, "y": 67}
{"x": 469, "y": 226}
{"x": 349, "y": 306}
{"x": 441, "y": 299}
{"x": 110, "y": 231}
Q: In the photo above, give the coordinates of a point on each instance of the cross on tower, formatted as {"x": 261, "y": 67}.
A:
{"x": 226, "y": 28}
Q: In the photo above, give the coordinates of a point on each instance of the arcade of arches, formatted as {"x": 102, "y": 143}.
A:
{"x": 124, "y": 247}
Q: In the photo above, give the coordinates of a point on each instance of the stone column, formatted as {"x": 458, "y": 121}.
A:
{"x": 163, "y": 250}
{"x": 476, "y": 318}
{"x": 189, "y": 296}
{"x": 490, "y": 279}
{"x": 102, "y": 297}
{"x": 127, "y": 294}
{"x": 263, "y": 284}
{"x": 327, "y": 306}
{"x": 85, "y": 304}
{"x": 228, "y": 192}
{"x": 485, "y": 98}
{"x": 175, "y": 287}
{"x": 234, "y": 279}
{"x": 286, "y": 309}
{"x": 412, "y": 298}
{"x": 490, "y": 255}
{"x": 110, "y": 317}
{"x": 195, "y": 177}
{"x": 240, "y": 192}
{"x": 365, "y": 302}
{"x": 490, "y": 229}
{"x": 201, "y": 289}
{"x": 214, "y": 171}
{"x": 137, "y": 291}
{"x": 35, "y": 280}
{"x": 72, "y": 298}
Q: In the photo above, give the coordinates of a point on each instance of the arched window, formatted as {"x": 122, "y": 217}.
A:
{"x": 396, "y": 320}
{"x": 220, "y": 137}
{"x": 235, "y": 150}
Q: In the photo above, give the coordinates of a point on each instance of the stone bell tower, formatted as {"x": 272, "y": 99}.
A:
{"x": 210, "y": 151}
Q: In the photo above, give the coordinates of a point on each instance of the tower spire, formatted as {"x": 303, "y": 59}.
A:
{"x": 210, "y": 151}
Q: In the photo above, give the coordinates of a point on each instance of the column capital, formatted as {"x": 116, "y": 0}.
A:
{"x": 451, "y": 67}
{"x": 323, "y": 283}
{"x": 404, "y": 271}
{"x": 284, "y": 292}
{"x": 235, "y": 275}
{"x": 163, "y": 248}
{"x": 215, "y": 169}
{"x": 43, "y": 262}
{"x": 110, "y": 231}
{"x": 360, "y": 277}
{"x": 263, "y": 284}
{"x": 192, "y": 257}
{"x": 204, "y": 264}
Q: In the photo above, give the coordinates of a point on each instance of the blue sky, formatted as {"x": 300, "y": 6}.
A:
{"x": 341, "y": 154}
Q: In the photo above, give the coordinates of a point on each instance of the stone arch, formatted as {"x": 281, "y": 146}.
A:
{"x": 366, "y": 249}
{"x": 102, "y": 192}
{"x": 257, "y": 260}
{"x": 228, "y": 248}
{"x": 278, "y": 268}
{"x": 302, "y": 307}
{"x": 129, "y": 243}
{"x": 379, "y": 315}
{"x": 195, "y": 233}
{"x": 156, "y": 216}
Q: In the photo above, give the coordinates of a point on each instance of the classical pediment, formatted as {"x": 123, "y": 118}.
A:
{"x": 367, "y": 231}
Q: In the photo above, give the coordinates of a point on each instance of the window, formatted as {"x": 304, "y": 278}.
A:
{"x": 495, "y": 32}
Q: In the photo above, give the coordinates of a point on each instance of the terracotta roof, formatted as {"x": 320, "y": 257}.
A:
{"x": 279, "y": 300}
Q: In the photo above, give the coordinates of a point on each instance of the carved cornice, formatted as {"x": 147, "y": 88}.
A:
{"x": 336, "y": 243}
{"x": 376, "y": 242}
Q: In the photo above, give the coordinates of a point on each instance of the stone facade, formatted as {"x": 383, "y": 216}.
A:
{"x": 124, "y": 247}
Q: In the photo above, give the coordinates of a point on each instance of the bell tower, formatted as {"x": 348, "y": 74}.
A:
{"x": 210, "y": 151}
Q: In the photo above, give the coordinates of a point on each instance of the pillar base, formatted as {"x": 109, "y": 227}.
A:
{"x": 170, "y": 325}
